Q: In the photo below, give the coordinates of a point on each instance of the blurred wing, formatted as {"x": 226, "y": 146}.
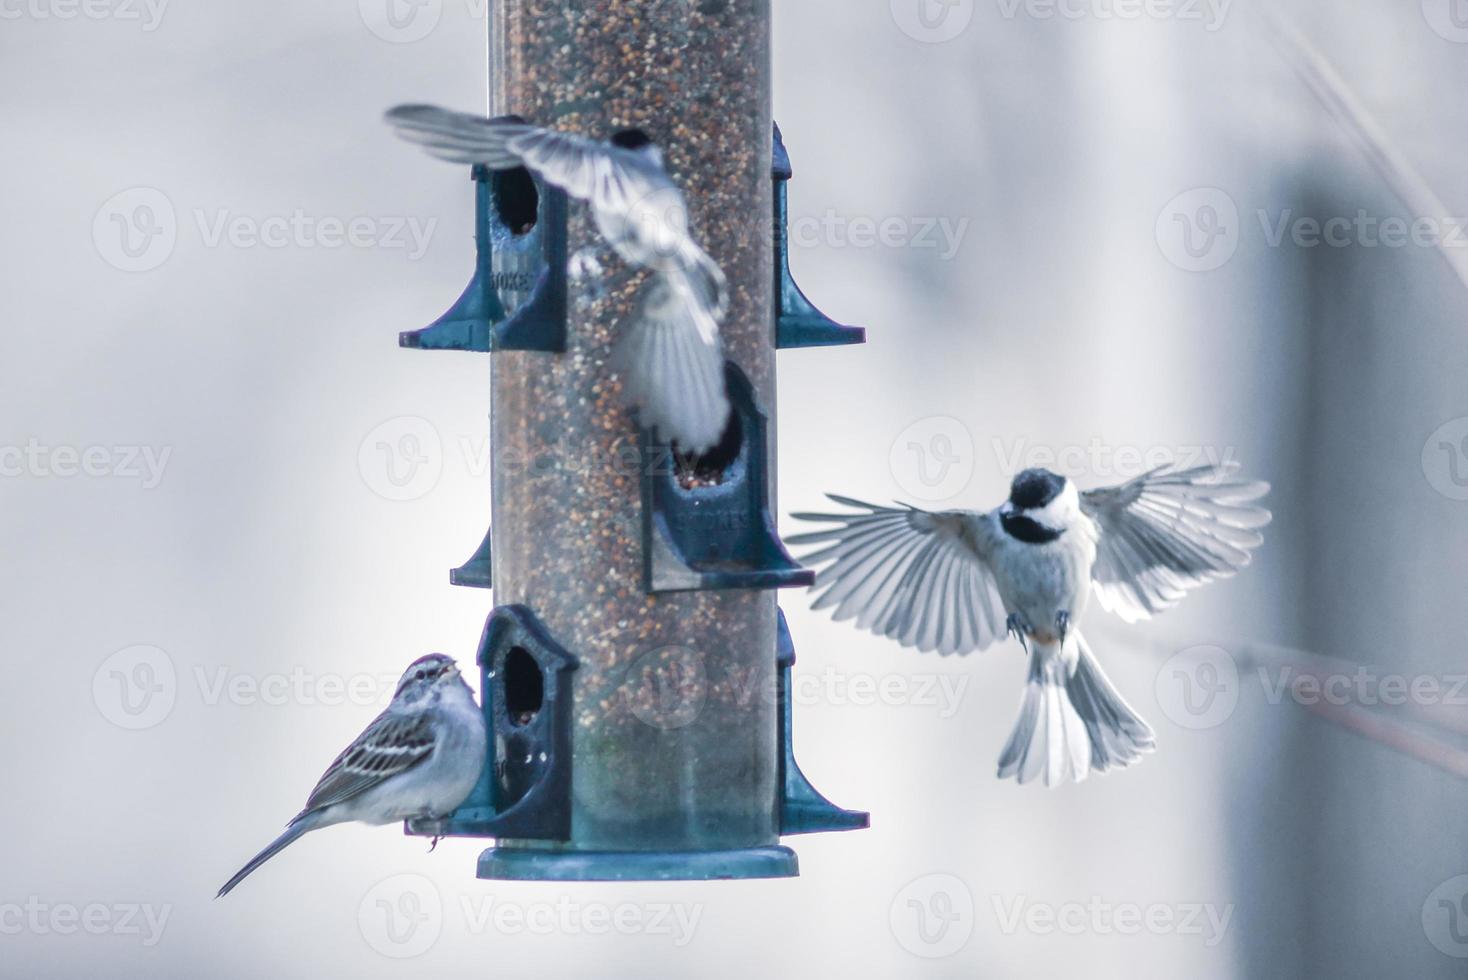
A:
{"x": 1169, "y": 531}
{"x": 917, "y": 577}
{"x": 608, "y": 176}
{"x": 459, "y": 137}
{"x": 672, "y": 360}
{"x": 392, "y": 744}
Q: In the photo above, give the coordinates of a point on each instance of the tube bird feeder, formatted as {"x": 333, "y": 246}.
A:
{"x": 635, "y": 669}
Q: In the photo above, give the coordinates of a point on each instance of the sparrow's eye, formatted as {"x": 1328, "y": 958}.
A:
{"x": 420, "y": 675}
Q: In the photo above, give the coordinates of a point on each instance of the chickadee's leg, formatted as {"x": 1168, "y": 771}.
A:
{"x": 1019, "y": 627}
{"x": 1062, "y": 625}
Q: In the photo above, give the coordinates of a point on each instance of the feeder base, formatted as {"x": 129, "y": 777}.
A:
{"x": 525, "y": 864}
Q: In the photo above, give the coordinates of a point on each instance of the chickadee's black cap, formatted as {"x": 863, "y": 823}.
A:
{"x": 1035, "y": 488}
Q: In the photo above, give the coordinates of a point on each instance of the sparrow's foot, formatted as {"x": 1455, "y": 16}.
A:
{"x": 433, "y": 845}
{"x": 1019, "y": 627}
{"x": 1062, "y": 625}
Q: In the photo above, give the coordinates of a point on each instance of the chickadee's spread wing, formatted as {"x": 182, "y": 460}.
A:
{"x": 921, "y": 578}
{"x": 592, "y": 170}
{"x": 392, "y": 744}
{"x": 672, "y": 363}
{"x": 1169, "y": 531}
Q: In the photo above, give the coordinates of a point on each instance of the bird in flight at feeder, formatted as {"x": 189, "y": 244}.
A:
{"x": 670, "y": 355}
{"x": 957, "y": 581}
{"x": 420, "y": 758}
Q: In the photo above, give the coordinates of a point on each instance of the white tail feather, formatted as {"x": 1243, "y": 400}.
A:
{"x": 1072, "y": 721}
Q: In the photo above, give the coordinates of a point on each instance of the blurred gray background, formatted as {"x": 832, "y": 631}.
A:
{"x": 214, "y": 559}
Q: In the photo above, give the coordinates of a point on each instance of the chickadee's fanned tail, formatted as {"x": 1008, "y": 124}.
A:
{"x": 672, "y": 364}
{"x": 1072, "y": 722}
{"x": 1049, "y": 740}
{"x": 299, "y": 826}
{"x": 1118, "y": 735}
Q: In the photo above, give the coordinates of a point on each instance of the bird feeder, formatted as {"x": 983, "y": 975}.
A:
{"x": 635, "y": 672}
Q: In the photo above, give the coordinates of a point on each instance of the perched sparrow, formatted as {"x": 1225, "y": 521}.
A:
{"x": 420, "y": 758}
{"x": 956, "y": 581}
{"x": 671, "y": 354}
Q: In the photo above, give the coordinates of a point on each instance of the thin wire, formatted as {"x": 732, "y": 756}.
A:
{"x": 1333, "y": 92}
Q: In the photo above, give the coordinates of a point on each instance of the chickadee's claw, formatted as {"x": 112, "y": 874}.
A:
{"x": 433, "y": 846}
{"x": 1018, "y": 627}
{"x": 1062, "y": 625}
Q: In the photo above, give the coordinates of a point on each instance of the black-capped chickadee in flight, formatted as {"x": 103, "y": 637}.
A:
{"x": 957, "y": 581}
{"x": 670, "y": 355}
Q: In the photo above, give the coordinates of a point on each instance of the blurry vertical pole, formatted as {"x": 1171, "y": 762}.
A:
{"x": 688, "y": 760}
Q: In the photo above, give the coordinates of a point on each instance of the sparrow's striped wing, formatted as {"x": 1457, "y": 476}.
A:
{"x": 610, "y": 177}
{"x": 392, "y": 744}
{"x": 921, "y": 578}
{"x": 1169, "y": 531}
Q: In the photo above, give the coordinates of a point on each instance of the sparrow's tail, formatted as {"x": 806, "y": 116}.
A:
{"x": 1072, "y": 722}
{"x": 297, "y": 827}
{"x": 672, "y": 364}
